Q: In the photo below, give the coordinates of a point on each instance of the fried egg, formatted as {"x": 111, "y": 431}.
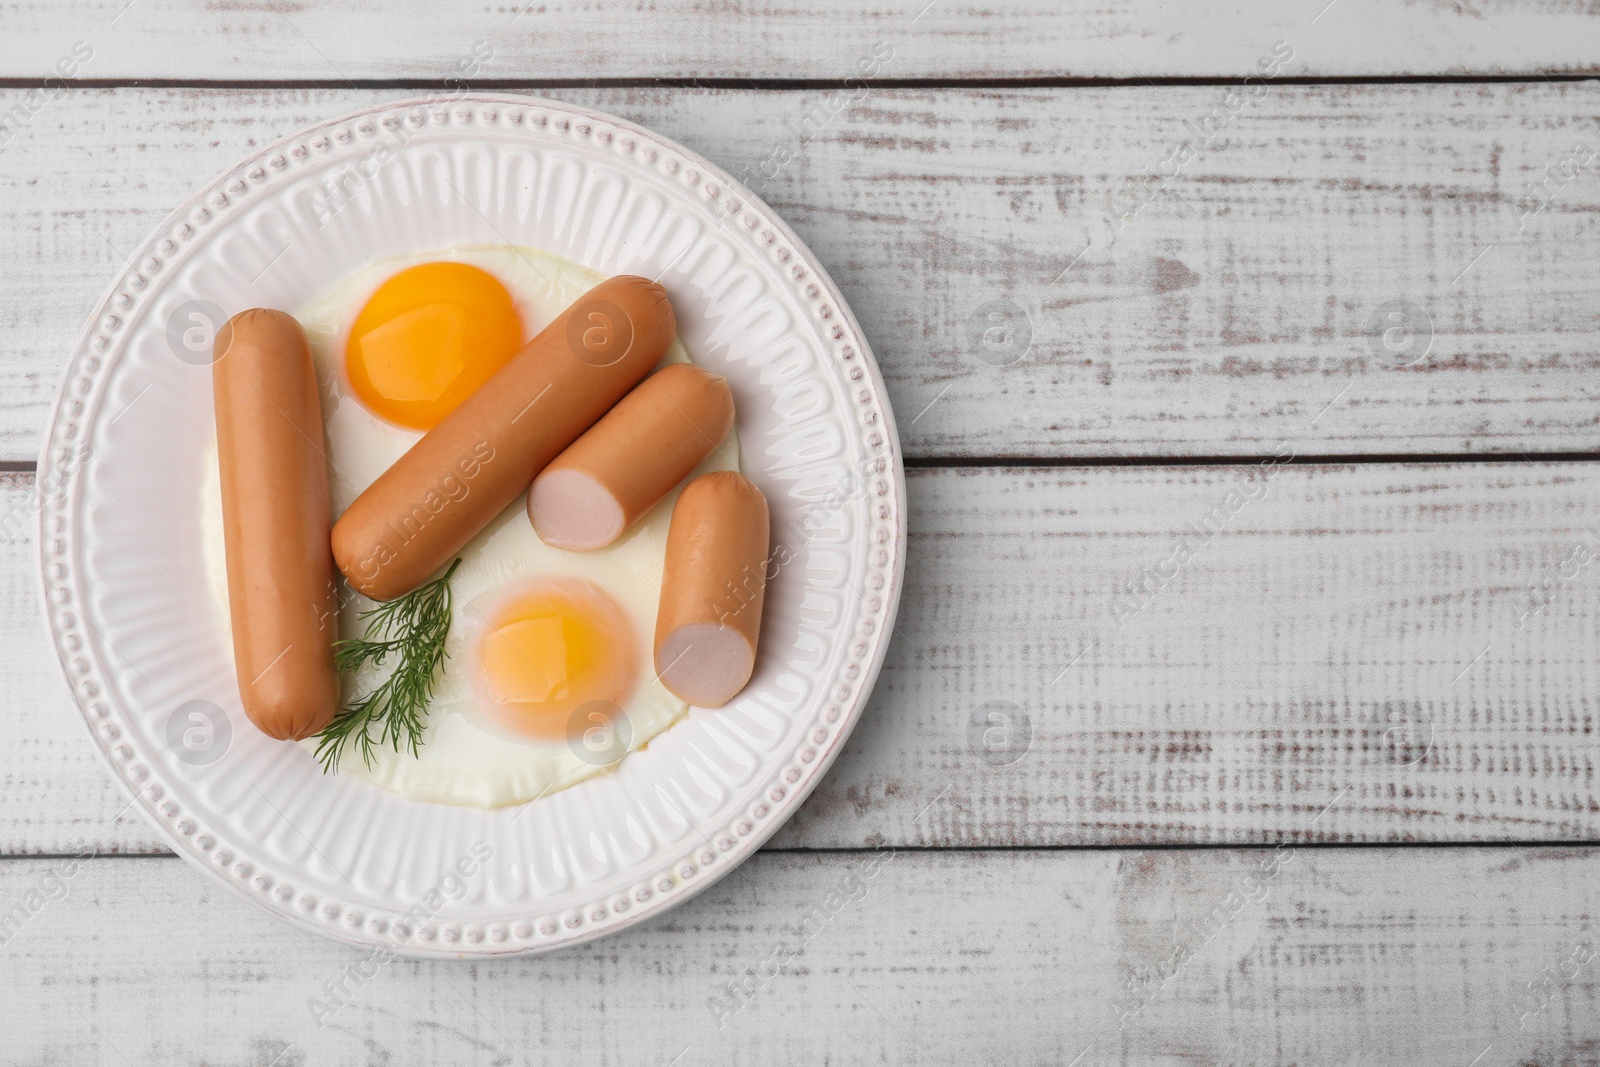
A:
{"x": 548, "y": 678}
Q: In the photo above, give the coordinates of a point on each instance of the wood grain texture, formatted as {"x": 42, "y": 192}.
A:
{"x": 959, "y": 39}
{"x": 1332, "y": 958}
{"x": 1344, "y": 658}
{"x": 1242, "y": 307}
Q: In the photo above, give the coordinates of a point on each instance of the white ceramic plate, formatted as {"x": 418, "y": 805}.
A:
{"x": 125, "y": 593}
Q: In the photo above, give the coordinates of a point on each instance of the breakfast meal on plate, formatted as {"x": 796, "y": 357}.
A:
{"x": 547, "y": 550}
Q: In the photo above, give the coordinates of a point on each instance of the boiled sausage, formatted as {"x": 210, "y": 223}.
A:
{"x": 712, "y": 587}
{"x": 281, "y": 594}
{"x": 628, "y": 461}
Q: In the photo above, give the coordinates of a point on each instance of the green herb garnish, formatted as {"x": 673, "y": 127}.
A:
{"x": 413, "y": 628}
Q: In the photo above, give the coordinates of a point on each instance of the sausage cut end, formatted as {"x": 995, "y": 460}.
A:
{"x": 705, "y": 663}
{"x": 571, "y": 509}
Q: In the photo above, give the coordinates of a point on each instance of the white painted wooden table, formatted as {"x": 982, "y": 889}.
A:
{"x": 1292, "y": 607}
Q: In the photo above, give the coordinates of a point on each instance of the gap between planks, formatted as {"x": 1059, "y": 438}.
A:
{"x": 792, "y": 84}
{"x": 1131, "y": 846}
{"x": 28, "y": 466}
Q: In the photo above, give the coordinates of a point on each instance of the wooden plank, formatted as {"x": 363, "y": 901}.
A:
{"x": 1242, "y": 307}
{"x": 1345, "y": 659}
{"x": 956, "y": 39}
{"x": 1136, "y": 958}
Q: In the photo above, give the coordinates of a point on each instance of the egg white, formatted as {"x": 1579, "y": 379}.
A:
{"x": 465, "y": 757}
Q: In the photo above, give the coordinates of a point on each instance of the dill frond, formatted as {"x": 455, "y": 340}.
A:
{"x": 413, "y": 629}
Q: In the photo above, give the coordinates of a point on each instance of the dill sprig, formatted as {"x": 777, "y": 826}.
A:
{"x": 413, "y": 628}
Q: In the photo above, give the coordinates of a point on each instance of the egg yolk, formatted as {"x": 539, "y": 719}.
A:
{"x": 554, "y": 653}
{"x": 427, "y": 339}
